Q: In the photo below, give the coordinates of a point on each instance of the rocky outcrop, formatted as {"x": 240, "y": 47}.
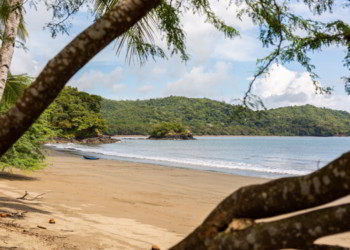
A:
{"x": 92, "y": 140}
{"x": 187, "y": 136}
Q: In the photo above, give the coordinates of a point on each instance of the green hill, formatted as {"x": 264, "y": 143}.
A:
{"x": 209, "y": 117}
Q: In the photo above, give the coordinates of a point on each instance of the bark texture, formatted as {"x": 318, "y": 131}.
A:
{"x": 9, "y": 40}
{"x": 293, "y": 233}
{"x": 274, "y": 198}
{"x": 60, "y": 69}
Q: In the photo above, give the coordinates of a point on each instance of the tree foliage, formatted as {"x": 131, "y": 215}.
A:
{"x": 5, "y": 10}
{"x": 15, "y": 86}
{"x": 289, "y": 36}
{"x": 208, "y": 117}
{"x": 26, "y": 153}
{"x": 76, "y": 114}
{"x": 165, "y": 129}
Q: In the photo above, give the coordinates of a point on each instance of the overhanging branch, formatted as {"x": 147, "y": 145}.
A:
{"x": 294, "y": 232}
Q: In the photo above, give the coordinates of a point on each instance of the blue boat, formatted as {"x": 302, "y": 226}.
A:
{"x": 90, "y": 157}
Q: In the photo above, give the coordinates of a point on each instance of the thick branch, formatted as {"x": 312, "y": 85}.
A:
{"x": 71, "y": 59}
{"x": 274, "y": 198}
{"x": 295, "y": 232}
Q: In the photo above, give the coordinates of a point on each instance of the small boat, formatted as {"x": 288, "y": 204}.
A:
{"x": 90, "y": 157}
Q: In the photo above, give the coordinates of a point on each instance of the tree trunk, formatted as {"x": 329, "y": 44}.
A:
{"x": 63, "y": 66}
{"x": 9, "y": 40}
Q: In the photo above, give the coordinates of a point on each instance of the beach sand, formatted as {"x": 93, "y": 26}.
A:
{"x": 109, "y": 204}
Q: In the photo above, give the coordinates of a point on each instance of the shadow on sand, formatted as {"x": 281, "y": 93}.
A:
{"x": 15, "y": 177}
{"x": 19, "y": 206}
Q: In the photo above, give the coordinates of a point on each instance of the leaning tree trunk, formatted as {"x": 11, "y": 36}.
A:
{"x": 65, "y": 64}
{"x": 9, "y": 40}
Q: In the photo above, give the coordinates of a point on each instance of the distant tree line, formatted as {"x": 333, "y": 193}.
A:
{"x": 208, "y": 117}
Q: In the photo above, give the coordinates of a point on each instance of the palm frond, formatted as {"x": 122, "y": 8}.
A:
{"x": 22, "y": 31}
{"x": 15, "y": 86}
{"x": 139, "y": 40}
{"x": 5, "y": 10}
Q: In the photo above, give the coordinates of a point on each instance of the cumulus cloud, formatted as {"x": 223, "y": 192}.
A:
{"x": 205, "y": 42}
{"x": 41, "y": 46}
{"x": 145, "y": 89}
{"x": 240, "y": 49}
{"x": 24, "y": 62}
{"x": 118, "y": 87}
{"x": 284, "y": 87}
{"x": 96, "y": 79}
{"x": 200, "y": 81}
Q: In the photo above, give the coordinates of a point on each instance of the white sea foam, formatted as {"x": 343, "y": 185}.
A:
{"x": 212, "y": 164}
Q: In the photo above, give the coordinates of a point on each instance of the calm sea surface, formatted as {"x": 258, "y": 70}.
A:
{"x": 270, "y": 157}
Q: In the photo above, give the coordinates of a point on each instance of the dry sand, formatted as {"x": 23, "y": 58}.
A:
{"x": 109, "y": 204}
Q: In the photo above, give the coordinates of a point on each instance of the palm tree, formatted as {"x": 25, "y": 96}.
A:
{"x": 139, "y": 39}
{"x": 11, "y": 25}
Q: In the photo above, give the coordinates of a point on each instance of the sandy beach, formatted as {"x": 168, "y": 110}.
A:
{"x": 109, "y": 204}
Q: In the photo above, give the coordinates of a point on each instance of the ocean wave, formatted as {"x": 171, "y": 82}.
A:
{"x": 131, "y": 138}
{"x": 213, "y": 164}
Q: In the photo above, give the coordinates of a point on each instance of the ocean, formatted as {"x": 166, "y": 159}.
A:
{"x": 268, "y": 157}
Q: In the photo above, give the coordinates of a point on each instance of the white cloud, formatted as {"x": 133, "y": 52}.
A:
{"x": 145, "y": 89}
{"x": 283, "y": 87}
{"x": 338, "y": 12}
{"x": 41, "y": 46}
{"x": 24, "y": 62}
{"x": 240, "y": 49}
{"x": 205, "y": 42}
{"x": 200, "y": 82}
{"x": 96, "y": 79}
{"x": 228, "y": 13}
{"x": 158, "y": 70}
{"x": 118, "y": 87}
{"x": 206, "y": 46}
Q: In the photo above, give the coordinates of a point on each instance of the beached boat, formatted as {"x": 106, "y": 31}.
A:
{"x": 90, "y": 157}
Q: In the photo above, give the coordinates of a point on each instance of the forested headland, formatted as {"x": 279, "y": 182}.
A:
{"x": 208, "y": 117}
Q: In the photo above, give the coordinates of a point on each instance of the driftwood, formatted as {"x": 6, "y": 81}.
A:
{"x": 26, "y": 197}
{"x": 259, "y": 201}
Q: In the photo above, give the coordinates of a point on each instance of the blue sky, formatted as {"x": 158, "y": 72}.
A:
{"x": 218, "y": 69}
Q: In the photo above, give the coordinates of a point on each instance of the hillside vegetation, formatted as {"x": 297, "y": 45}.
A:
{"x": 76, "y": 114}
{"x": 208, "y": 117}
{"x": 73, "y": 114}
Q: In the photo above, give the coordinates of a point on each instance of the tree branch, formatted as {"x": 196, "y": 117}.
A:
{"x": 274, "y": 198}
{"x": 60, "y": 69}
{"x": 294, "y": 232}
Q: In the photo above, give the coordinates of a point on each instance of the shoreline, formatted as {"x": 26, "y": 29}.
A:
{"x": 111, "y": 204}
{"x": 121, "y": 205}
{"x": 233, "y": 136}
